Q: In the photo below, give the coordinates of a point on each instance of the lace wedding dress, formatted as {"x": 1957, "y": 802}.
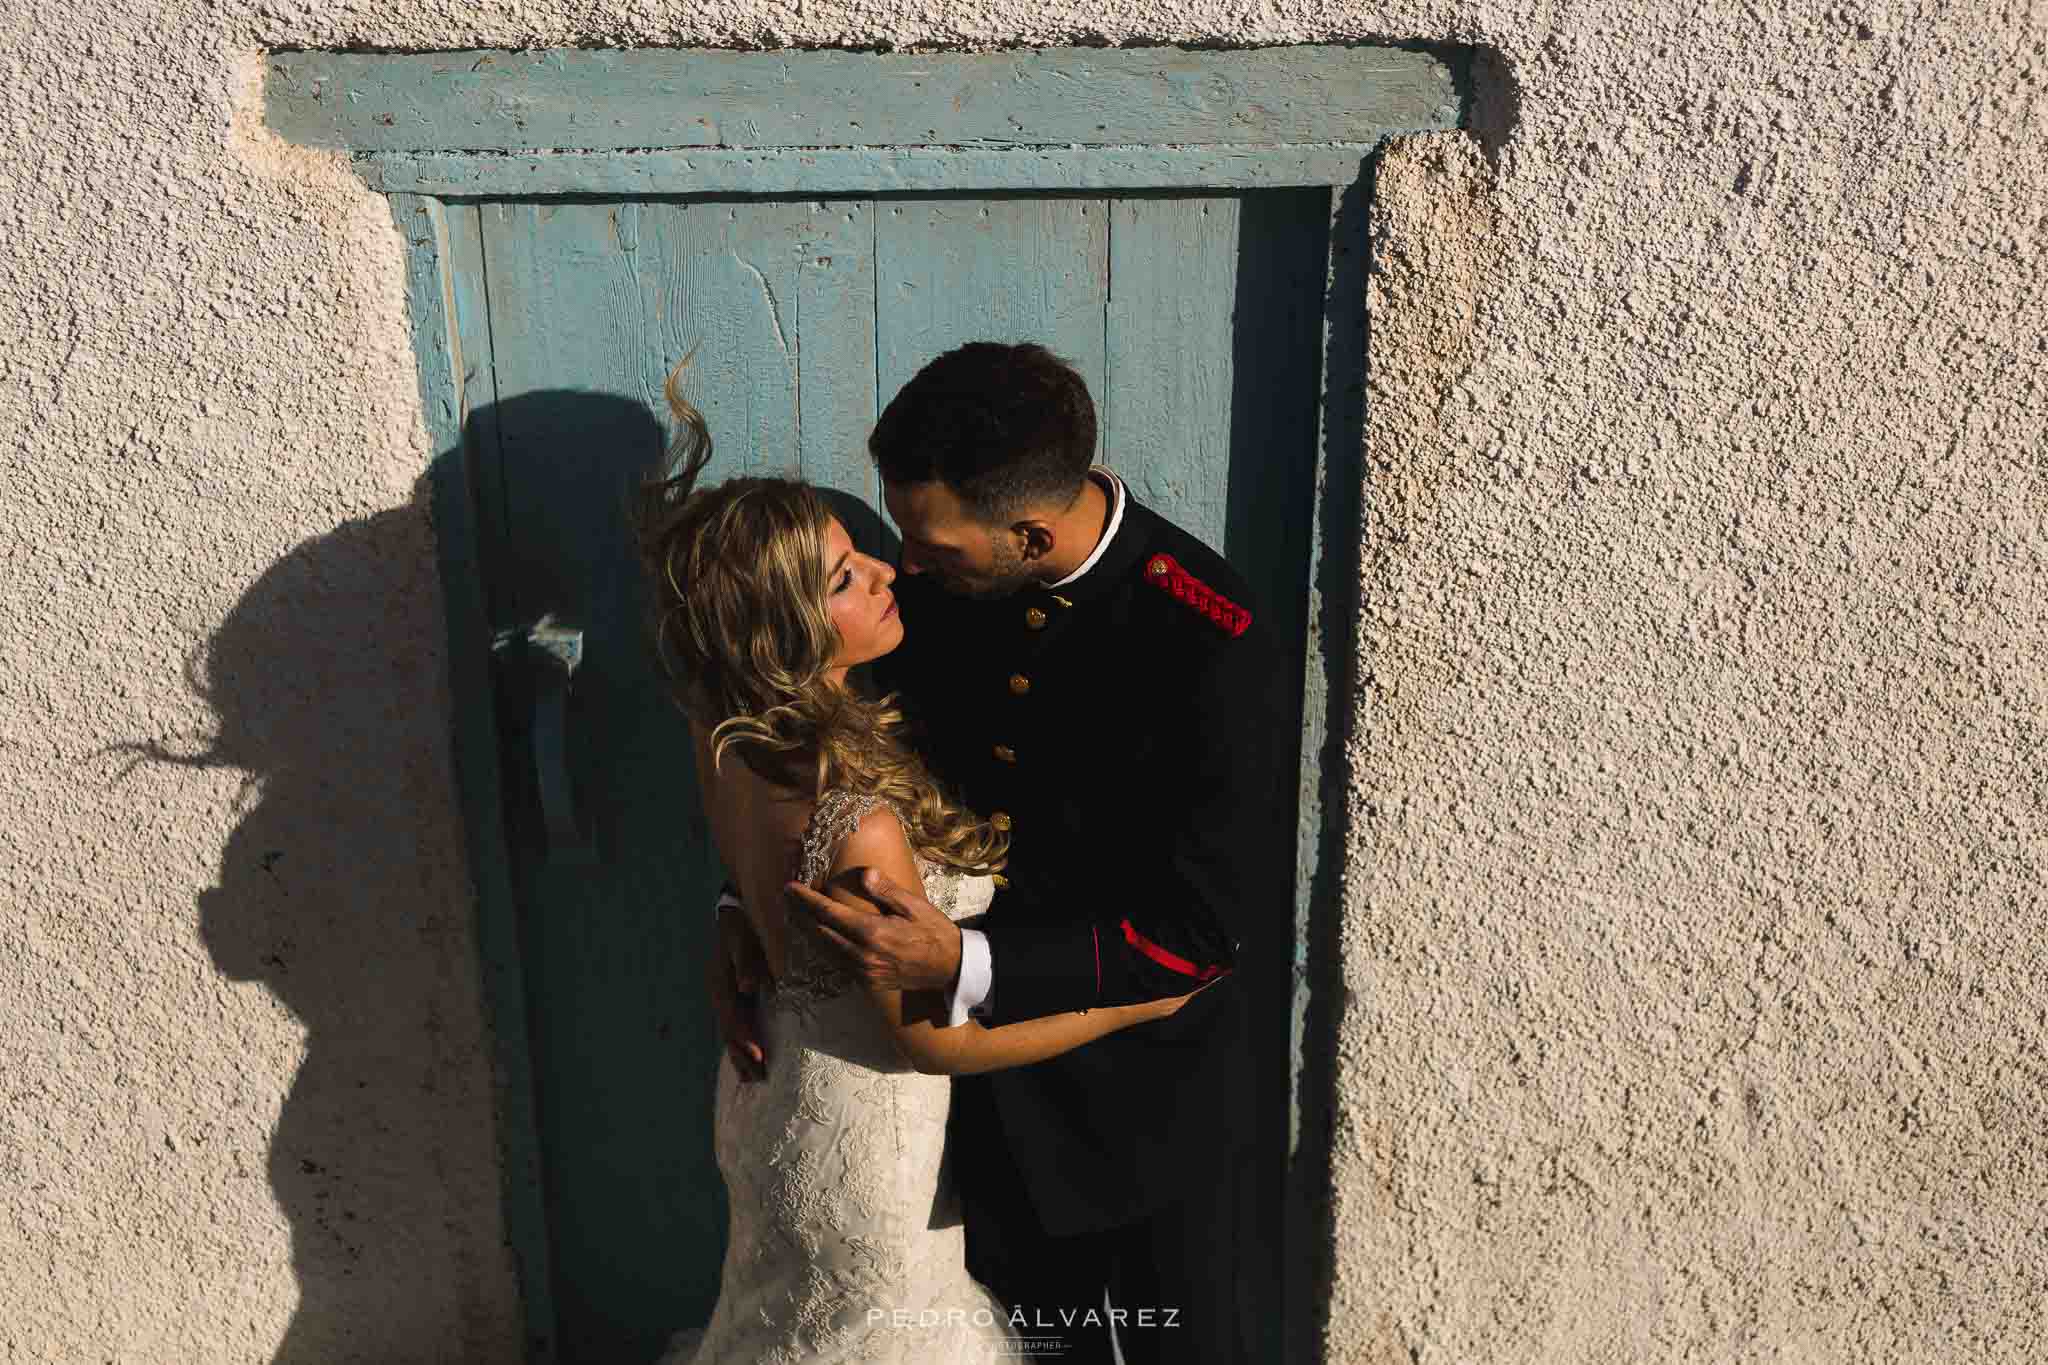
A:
{"x": 845, "y": 1243}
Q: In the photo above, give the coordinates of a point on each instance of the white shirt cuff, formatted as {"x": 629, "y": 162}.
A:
{"x": 977, "y": 976}
{"x": 726, "y": 900}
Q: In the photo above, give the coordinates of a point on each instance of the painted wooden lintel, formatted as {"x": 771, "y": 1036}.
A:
{"x": 860, "y": 170}
{"x": 603, "y": 100}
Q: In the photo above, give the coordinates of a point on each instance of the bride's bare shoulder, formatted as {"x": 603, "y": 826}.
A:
{"x": 761, "y": 817}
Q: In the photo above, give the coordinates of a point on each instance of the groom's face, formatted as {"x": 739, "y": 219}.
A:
{"x": 942, "y": 538}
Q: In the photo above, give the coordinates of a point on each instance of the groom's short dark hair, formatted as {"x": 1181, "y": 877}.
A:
{"x": 1004, "y": 427}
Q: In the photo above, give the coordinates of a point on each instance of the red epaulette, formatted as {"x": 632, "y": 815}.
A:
{"x": 1165, "y": 573}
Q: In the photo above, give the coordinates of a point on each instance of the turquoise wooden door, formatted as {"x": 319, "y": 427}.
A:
{"x": 1197, "y": 320}
{"x": 1165, "y": 217}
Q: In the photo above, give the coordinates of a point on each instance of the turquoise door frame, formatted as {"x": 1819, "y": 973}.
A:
{"x": 436, "y": 131}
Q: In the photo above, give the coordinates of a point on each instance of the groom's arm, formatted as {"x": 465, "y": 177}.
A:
{"x": 1212, "y": 863}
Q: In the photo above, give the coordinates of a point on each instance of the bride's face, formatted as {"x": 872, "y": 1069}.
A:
{"x": 857, "y": 593}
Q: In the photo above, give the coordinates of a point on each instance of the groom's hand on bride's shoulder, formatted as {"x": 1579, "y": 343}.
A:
{"x": 910, "y": 946}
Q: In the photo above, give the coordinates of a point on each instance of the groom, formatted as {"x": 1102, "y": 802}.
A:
{"x": 1101, "y": 685}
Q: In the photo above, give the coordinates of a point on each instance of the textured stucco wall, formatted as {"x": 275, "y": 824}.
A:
{"x": 1695, "y": 921}
{"x": 1692, "y": 922}
{"x": 247, "y": 1104}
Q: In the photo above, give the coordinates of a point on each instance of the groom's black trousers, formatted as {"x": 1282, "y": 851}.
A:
{"x": 1173, "y": 1276}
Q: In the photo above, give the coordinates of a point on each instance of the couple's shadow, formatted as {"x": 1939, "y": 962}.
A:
{"x": 342, "y": 888}
{"x": 346, "y": 886}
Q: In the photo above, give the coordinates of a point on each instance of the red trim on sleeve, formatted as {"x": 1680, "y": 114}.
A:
{"x": 1165, "y": 957}
{"x": 1093, "y": 933}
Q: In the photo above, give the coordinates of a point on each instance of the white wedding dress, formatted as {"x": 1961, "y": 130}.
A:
{"x": 845, "y": 1240}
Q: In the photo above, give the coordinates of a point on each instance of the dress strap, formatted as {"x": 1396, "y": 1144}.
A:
{"x": 833, "y": 820}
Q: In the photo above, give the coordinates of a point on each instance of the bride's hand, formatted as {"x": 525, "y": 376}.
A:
{"x": 1168, "y": 1005}
{"x": 736, "y": 972}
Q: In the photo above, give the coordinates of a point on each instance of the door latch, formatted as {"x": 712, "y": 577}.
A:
{"x": 554, "y": 651}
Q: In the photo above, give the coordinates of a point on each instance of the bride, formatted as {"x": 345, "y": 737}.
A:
{"x": 845, "y": 1241}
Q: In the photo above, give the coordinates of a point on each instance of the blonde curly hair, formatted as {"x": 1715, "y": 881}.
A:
{"x": 744, "y": 633}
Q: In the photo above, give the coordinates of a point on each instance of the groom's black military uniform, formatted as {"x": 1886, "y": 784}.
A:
{"x": 1131, "y": 731}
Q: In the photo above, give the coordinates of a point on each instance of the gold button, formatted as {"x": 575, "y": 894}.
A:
{"x": 1158, "y": 566}
{"x": 999, "y": 879}
{"x": 1035, "y": 618}
{"x": 1006, "y": 753}
{"x": 1000, "y": 821}
{"x": 1019, "y": 684}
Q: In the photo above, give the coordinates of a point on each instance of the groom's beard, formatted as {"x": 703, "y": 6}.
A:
{"x": 1006, "y": 576}
{"x": 985, "y": 589}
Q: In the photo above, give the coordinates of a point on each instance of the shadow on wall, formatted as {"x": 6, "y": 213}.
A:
{"x": 346, "y": 889}
{"x": 343, "y": 890}
{"x": 1493, "y": 103}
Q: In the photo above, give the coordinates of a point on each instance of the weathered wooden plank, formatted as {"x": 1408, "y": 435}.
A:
{"x": 1276, "y": 344}
{"x": 835, "y": 311}
{"x": 700, "y": 98}
{"x": 452, "y": 353}
{"x": 1331, "y": 616}
{"x": 722, "y": 278}
{"x": 479, "y": 387}
{"x": 1173, "y": 294}
{"x": 778, "y": 299}
{"x": 1329, "y": 692}
{"x": 950, "y": 271}
{"x": 565, "y": 317}
{"x": 861, "y": 170}
{"x": 636, "y": 1209}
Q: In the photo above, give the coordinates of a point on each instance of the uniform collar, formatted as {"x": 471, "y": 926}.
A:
{"x": 1121, "y": 546}
{"x": 1117, "y": 498}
